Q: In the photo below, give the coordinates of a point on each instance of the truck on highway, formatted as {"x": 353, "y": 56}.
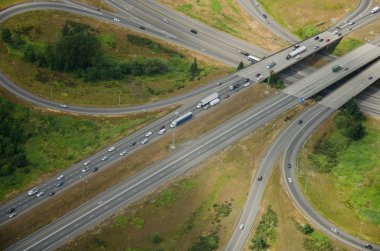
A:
{"x": 296, "y": 52}
{"x": 214, "y": 102}
{"x": 233, "y": 87}
{"x": 207, "y": 100}
{"x": 181, "y": 119}
{"x": 336, "y": 67}
{"x": 374, "y": 10}
{"x": 253, "y": 59}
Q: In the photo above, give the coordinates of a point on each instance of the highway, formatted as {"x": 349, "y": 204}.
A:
{"x": 306, "y": 87}
{"x": 194, "y": 152}
{"x": 290, "y": 141}
{"x": 134, "y": 22}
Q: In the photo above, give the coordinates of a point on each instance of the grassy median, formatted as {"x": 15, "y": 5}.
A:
{"x": 118, "y": 46}
{"x": 348, "y": 195}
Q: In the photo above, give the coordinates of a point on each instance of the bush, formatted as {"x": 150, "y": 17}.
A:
{"x": 307, "y": 229}
{"x": 155, "y": 238}
{"x": 307, "y": 31}
{"x": 206, "y": 243}
{"x": 266, "y": 230}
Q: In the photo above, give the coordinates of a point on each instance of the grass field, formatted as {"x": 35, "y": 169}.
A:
{"x": 295, "y": 15}
{"x": 189, "y": 206}
{"x": 44, "y": 27}
{"x": 228, "y": 16}
{"x": 349, "y": 195}
{"x": 346, "y": 45}
{"x": 74, "y": 196}
{"x": 58, "y": 141}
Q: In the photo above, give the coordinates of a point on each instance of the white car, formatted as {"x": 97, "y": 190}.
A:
{"x": 165, "y": 20}
{"x": 87, "y": 162}
{"x": 247, "y": 84}
{"x": 32, "y": 191}
{"x": 85, "y": 169}
{"x": 144, "y": 141}
{"x": 40, "y": 194}
{"x": 12, "y": 215}
{"x": 63, "y": 105}
{"x": 334, "y": 230}
{"x": 259, "y": 77}
{"x": 335, "y": 32}
{"x": 111, "y": 149}
{"x": 116, "y": 19}
{"x": 148, "y": 134}
{"x": 290, "y": 180}
{"x": 316, "y": 47}
{"x": 60, "y": 177}
{"x": 241, "y": 227}
{"x": 162, "y": 131}
{"x": 104, "y": 157}
{"x": 123, "y": 153}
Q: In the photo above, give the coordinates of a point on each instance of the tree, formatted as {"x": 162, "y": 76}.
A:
{"x": 258, "y": 243}
{"x": 194, "y": 69}
{"x": 240, "y": 66}
{"x": 6, "y": 35}
{"x": 156, "y": 238}
{"x": 307, "y": 229}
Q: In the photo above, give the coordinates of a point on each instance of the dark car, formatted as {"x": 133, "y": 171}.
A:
{"x": 321, "y": 40}
{"x": 265, "y": 16}
{"x": 227, "y": 96}
{"x": 296, "y": 46}
{"x": 51, "y": 193}
{"x": 289, "y": 165}
{"x": 142, "y": 28}
{"x": 11, "y": 210}
{"x": 132, "y": 143}
{"x": 368, "y": 246}
{"x": 370, "y": 77}
{"x": 59, "y": 183}
{"x": 327, "y": 40}
{"x": 260, "y": 178}
{"x": 162, "y": 127}
{"x": 94, "y": 169}
{"x": 316, "y": 38}
{"x": 246, "y": 80}
{"x": 194, "y": 31}
{"x": 300, "y": 121}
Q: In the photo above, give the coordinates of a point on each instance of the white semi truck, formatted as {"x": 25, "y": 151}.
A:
{"x": 374, "y": 10}
{"x": 296, "y": 52}
{"x": 207, "y": 100}
{"x": 214, "y": 102}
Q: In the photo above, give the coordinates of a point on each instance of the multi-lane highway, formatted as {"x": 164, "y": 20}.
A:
{"x": 290, "y": 140}
{"x": 189, "y": 155}
{"x": 259, "y": 68}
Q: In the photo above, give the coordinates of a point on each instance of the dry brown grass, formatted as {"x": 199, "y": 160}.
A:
{"x": 232, "y": 19}
{"x": 225, "y": 176}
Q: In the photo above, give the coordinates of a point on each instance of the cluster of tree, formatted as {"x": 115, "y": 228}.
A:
{"x": 266, "y": 230}
{"x": 79, "y": 51}
{"x": 12, "y": 138}
{"x": 350, "y": 128}
{"x": 155, "y": 47}
{"x": 194, "y": 70}
{"x": 275, "y": 82}
{"x": 206, "y": 243}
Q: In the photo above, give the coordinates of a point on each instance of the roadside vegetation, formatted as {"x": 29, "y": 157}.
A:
{"x": 228, "y": 16}
{"x": 307, "y": 17}
{"x": 76, "y": 60}
{"x": 287, "y": 226}
{"x": 346, "y": 45}
{"x": 100, "y": 4}
{"x": 341, "y": 158}
{"x": 36, "y": 145}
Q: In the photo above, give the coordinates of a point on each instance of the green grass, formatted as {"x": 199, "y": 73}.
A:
{"x": 346, "y": 45}
{"x": 57, "y": 141}
{"x": 43, "y": 27}
{"x": 215, "y": 5}
{"x": 348, "y": 196}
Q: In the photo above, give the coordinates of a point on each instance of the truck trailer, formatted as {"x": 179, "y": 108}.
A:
{"x": 207, "y": 100}
{"x": 181, "y": 119}
{"x": 214, "y": 102}
{"x": 297, "y": 51}
{"x": 374, "y": 10}
{"x": 233, "y": 87}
